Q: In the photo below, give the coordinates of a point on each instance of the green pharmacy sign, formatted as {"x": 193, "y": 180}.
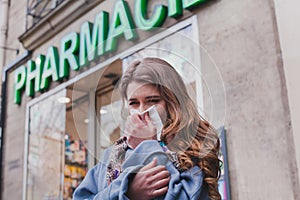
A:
{"x": 94, "y": 40}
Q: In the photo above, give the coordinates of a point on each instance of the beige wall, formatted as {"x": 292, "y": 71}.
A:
{"x": 16, "y": 26}
{"x": 13, "y": 153}
{"x": 288, "y": 16}
{"x": 242, "y": 40}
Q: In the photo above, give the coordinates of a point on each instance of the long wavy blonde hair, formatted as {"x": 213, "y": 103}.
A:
{"x": 194, "y": 139}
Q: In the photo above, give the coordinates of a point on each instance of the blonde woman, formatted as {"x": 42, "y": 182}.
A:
{"x": 181, "y": 164}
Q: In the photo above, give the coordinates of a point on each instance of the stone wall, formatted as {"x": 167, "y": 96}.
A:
{"x": 289, "y": 31}
{"x": 241, "y": 38}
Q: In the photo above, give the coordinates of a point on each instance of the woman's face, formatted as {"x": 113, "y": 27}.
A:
{"x": 141, "y": 96}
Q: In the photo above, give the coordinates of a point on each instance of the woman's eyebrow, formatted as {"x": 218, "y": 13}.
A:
{"x": 152, "y": 97}
{"x": 132, "y": 99}
{"x": 147, "y": 97}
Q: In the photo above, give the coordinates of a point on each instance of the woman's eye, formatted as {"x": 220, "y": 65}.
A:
{"x": 133, "y": 103}
{"x": 154, "y": 101}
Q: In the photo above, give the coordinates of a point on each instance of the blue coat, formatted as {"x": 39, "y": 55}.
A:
{"x": 182, "y": 186}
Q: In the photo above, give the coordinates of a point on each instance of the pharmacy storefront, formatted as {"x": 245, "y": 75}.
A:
{"x": 63, "y": 101}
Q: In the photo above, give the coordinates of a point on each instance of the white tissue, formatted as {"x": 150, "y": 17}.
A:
{"x": 155, "y": 119}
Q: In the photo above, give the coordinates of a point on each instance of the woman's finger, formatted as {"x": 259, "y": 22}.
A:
{"x": 160, "y": 175}
{"x": 156, "y": 170}
{"x": 149, "y": 166}
{"x": 135, "y": 118}
{"x": 161, "y": 183}
{"x": 159, "y": 192}
{"x": 148, "y": 119}
{"x": 150, "y": 126}
{"x": 133, "y": 124}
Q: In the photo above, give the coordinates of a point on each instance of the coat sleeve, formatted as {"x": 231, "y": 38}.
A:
{"x": 185, "y": 185}
{"x": 94, "y": 185}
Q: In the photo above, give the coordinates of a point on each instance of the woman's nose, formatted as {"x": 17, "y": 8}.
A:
{"x": 143, "y": 107}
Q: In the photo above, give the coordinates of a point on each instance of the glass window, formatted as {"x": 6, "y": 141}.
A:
{"x": 108, "y": 107}
{"x": 57, "y": 151}
{"x": 75, "y": 141}
{"x": 45, "y": 151}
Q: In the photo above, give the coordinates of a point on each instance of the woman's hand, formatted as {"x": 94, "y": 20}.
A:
{"x": 150, "y": 182}
{"x": 138, "y": 129}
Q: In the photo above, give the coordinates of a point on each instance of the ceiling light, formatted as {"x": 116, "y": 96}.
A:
{"x": 86, "y": 121}
{"x": 103, "y": 111}
{"x": 64, "y": 100}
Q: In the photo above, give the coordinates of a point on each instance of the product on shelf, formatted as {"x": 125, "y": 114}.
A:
{"x": 75, "y": 165}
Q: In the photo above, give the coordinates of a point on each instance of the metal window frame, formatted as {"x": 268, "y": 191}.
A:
{"x": 222, "y": 136}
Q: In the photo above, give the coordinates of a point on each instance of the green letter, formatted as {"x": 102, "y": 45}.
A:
{"x": 50, "y": 68}
{"x": 157, "y": 19}
{"x": 174, "y": 8}
{"x": 68, "y": 54}
{"x": 92, "y": 46}
{"x": 34, "y": 75}
{"x": 190, "y": 4}
{"x": 20, "y": 81}
{"x": 122, "y": 23}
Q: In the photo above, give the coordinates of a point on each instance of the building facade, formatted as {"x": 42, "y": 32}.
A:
{"x": 62, "y": 61}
